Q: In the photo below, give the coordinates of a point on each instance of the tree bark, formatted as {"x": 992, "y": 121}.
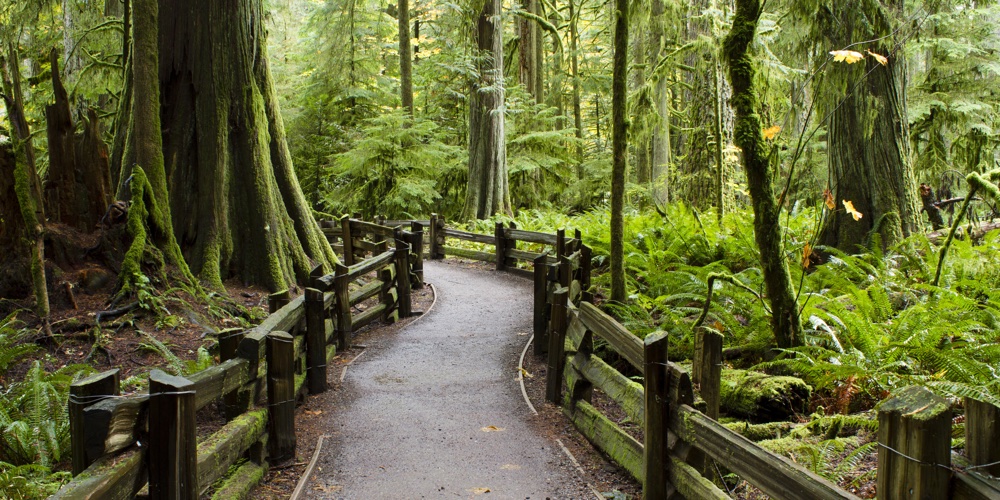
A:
{"x": 574, "y": 42}
{"x": 238, "y": 208}
{"x": 661, "y": 154}
{"x": 527, "y": 53}
{"x": 869, "y": 135}
{"x": 405, "y": 57}
{"x": 785, "y": 321}
{"x": 619, "y": 148}
{"x": 488, "y": 190}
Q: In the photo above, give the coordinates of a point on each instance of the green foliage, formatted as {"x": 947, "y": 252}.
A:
{"x": 13, "y": 347}
{"x": 395, "y": 170}
{"x": 30, "y": 481}
{"x": 33, "y": 416}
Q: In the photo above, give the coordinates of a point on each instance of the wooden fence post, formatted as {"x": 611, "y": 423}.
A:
{"x": 173, "y": 446}
{"x": 343, "y": 307}
{"x": 314, "y": 275}
{"x": 711, "y": 372}
{"x": 83, "y": 393}
{"x": 417, "y": 244}
{"x": 541, "y": 306}
{"x": 982, "y": 435}
{"x": 278, "y": 300}
{"x": 560, "y": 243}
{"x": 281, "y": 396}
{"x": 511, "y": 244}
{"x": 557, "y": 343}
{"x": 586, "y": 266}
{"x": 501, "y": 246}
{"x": 238, "y": 401}
{"x": 403, "y": 278}
{"x": 914, "y": 437}
{"x": 315, "y": 341}
{"x": 698, "y": 356}
{"x": 345, "y": 236}
{"x": 656, "y": 381}
{"x": 433, "y": 243}
{"x": 388, "y": 295}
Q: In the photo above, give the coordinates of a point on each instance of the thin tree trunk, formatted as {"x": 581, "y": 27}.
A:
{"x": 574, "y": 40}
{"x": 785, "y": 321}
{"x": 488, "y": 189}
{"x": 660, "y": 158}
{"x": 619, "y": 150}
{"x": 405, "y": 57}
{"x": 527, "y": 54}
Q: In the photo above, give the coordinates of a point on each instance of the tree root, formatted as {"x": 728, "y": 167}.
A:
{"x": 114, "y": 313}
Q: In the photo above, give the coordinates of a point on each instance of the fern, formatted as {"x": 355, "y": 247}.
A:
{"x": 12, "y": 343}
{"x": 174, "y": 364}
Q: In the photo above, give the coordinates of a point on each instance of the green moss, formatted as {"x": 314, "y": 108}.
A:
{"x": 761, "y": 397}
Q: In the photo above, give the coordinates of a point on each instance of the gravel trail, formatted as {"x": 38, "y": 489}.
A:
{"x": 436, "y": 411}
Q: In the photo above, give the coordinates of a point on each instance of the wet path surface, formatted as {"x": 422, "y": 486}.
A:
{"x": 435, "y": 411}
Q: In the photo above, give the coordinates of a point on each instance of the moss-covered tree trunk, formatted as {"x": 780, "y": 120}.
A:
{"x": 785, "y": 320}
{"x": 488, "y": 190}
{"x": 574, "y": 42}
{"x": 869, "y": 131}
{"x": 527, "y": 54}
{"x": 237, "y": 206}
{"x": 405, "y": 57}
{"x": 619, "y": 150}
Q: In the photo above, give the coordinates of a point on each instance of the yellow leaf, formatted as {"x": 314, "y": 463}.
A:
{"x": 526, "y": 374}
{"x": 491, "y": 428}
{"x": 479, "y": 491}
{"x": 849, "y": 206}
{"x": 771, "y": 132}
{"x": 828, "y": 199}
{"x": 848, "y": 56}
{"x": 879, "y": 57}
{"x": 806, "y": 256}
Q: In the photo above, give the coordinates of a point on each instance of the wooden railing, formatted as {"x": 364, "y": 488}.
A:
{"x": 680, "y": 443}
{"x": 121, "y": 443}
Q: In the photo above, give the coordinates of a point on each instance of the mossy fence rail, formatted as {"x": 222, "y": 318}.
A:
{"x": 122, "y": 443}
{"x": 681, "y": 446}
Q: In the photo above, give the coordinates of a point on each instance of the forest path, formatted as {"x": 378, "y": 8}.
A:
{"x": 435, "y": 411}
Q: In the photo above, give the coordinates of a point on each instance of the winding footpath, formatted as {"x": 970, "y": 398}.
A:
{"x": 435, "y": 411}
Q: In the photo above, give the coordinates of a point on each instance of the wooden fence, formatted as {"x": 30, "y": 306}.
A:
{"x": 680, "y": 443}
{"x": 122, "y": 443}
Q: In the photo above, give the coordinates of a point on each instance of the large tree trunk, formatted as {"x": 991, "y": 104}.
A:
{"x": 405, "y": 57}
{"x": 619, "y": 150}
{"x": 868, "y": 136}
{"x": 488, "y": 191}
{"x": 238, "y": 209}
{"x": 767, "y": 214}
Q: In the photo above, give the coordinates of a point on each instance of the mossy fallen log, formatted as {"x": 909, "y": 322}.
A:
{"x": 759, "y": 397}
{"x": 761, "y": 432}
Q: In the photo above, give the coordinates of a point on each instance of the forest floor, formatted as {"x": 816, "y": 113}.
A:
{"x": 385, "y": 418}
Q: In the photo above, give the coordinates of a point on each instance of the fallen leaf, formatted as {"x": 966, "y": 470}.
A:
{"x": 522, "y": 334}
{"x": 479, "y": 491}
{"x": 524, "y": 373}
{"x": 849, "y": 206}
{"x": 314, "y": 412}
{"x": 828, "y": 199}
{"x": 771, "y": 132}
{"x": 880, "y": 58}
{"x": 848, "y": 56}
{"x": 491, "y": 428}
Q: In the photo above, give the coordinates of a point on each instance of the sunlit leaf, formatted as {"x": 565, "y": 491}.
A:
{"x": 879, "y": 57}
{"x": 771, "y": 132}
{"x": 848, "y": 56}
{"x": 828, "y": 199}
{"x": 849, "y": 206}
{"x": 806, "y": 255}
{"x": 492, "y": 428}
